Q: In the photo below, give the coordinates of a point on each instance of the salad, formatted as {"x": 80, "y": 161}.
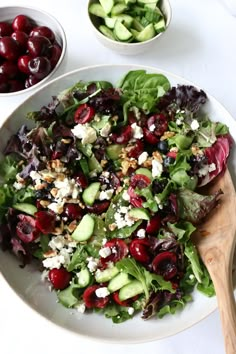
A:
{"x": 104, "y": 194}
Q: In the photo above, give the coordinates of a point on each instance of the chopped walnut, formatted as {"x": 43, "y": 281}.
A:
{"x": 196, "y": 150}
{"x": 54, "y": 192}
{"x": 103, "y": 163}
{"x": 50, "y": 253}
{"x": 112, "y": 227}
{"x": 40, "y": 186}
{"x": 58, "y": 230}
{"x": 72, "y": 226}
{"x": 44, "y": 203}
{"x": 157, "y": 156}
{"x": 148, "y": 162}
{"x": 128, "y": 163}
{"x": 167, "y": 135}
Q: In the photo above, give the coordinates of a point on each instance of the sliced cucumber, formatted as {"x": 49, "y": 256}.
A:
{"x": 106, "y": 275}
{"x": 122, "y": 32}
{"x": 160, "y": 26}
{"x": 84, "y": 229}
{"x": 113, "y": 151}
{"x": 106, "y": 31}
{"x": 118, "y": 282}
{"x": 147, "y": 33}
{"x": 144, "y": 171}
{"x": 118, "y": 9}
{"x": 83, "y": 277}
{"x": 137, "y": 25}
{"x": 93, "y": 163}
{"x": 125, "y": 19}
{"x": 90, "y": 193}
{"x": 139, "y": 213}
{"x": 144, "y": 2}
{"x": 97, "y": 10}
{"x": 26, "y": 208}
{"x": 107, "y": 5}
{"x": 110, "y": 22}
{"x": 132, "y": 289}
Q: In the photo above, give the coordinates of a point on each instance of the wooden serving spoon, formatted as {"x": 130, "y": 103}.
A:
{"x": 215, "y": 240}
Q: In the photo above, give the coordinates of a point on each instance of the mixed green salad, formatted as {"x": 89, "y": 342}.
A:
{"x": 104, "y": 194}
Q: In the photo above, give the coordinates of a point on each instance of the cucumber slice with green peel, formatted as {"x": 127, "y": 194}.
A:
{"x": 106, "y": 275}
{"x": 137, "y": 25}
{"x": 84, "y": 229}
{"x": 160, "y": 26}
{"x": 93, "y": 163}
{"x": 113, "y": 151}
{"x": 134, "y": 288}
{"x": 107, "y": 5}
{"x": 110, "y": 22}
{"x": 118, "y": 9}
{"x": 147, "y": 33}
{"x": 122, "y": 32}
{"x": 144, "y": 171}
{"x": 107, "y": 32}
{"x": 118, "y": 282}
{"x": 26, "y": 208}
{"x": 83, "y": 277}
{"x": 144, "y": 2}
{"x": 127, "y": 20}
{"x": 139, "y": 213}
{"x": 90, "y": 193}
{"x": 97, "y": 10}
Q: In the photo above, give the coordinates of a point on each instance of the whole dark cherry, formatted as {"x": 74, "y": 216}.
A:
{"x": 43, "y": 31}
{"x": 31, "y": 80}
{"x": 60, "y": 278}
{"x": 9, "y": 48}
{"x": 16, "y": 85}
{"x": 39, "y": 67}
{"x": 4, "y": 85}
{"x": 22, "y": 23}
{"x": 21, "y": 37}
{"x": 10, "y": 69}
{"x": 23, "y": 62}
{"x": 5, "y": 29}
{"x": 38, "y": 46}
{"x": 55, "y": 54}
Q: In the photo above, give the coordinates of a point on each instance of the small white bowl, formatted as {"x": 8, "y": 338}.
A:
{"x": 124, "y": 47}
{"x": 41, "y": 18}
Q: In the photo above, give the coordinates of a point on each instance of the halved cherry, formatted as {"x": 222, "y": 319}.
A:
{"x": 172, "y": 154}
{"x": 99, "y": 207}
{"x": 26, "y": 228}
{"x": 91, "y": 300}
{"x": 124, "y": 135}
{"x": 84, "y": 114}
{"x": 165, "y": 264}
{"x": 160, "y": 122}
{"x": 45, "y": 221}
{"x": 135, "y": 199}
{"x": 73, "y": 211}
{"x": 139, "y": 181}
{"x": 149, "y": 137}
{"x": 136, "y": 149}
{"x": 119, "y": 250}
{"x": 153, "y": 224}
{"x": 139, "y": 250}
{"x": 81, "y": 179}
{"x": 60, "y": 278}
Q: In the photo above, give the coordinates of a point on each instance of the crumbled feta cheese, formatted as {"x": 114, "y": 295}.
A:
{"x": 152, "y": 128}
{"x": 54, "y": 262}
{"x": 105, "y": 131}
{"x": 142, "y": 158}
{"x": 106, "y": 195}
{"x": 66, "y": 188}
{"x": 104, "y": 241}
{"x": 57, "y": 243}
{"x": 85, "y": 132}
{"x": 178, "y": 121}
{"x": 137, "y": 131}
{"x": 34, "y": 175}
{"x": 122, "y": 217}
{"x": 194, "y": 124}
{"x": 102, "y": 292}
{"x": 57, "y": 207}
{"x": 105, "y": 252}
{"x": 212, "y": 167}
{"x": 126, "y": 196}
{"x": 130, "y": 311}
{"x": 66, "y": 255}
{"x": 80, "y": 307}
{"x": 157, "y": 168}
{"x": 92, "y": 264}
{"x": 141, "y": 233}
{"x": 18, "y": 185}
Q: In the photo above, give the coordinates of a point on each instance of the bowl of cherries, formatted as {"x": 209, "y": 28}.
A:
{"x": 32, "y": 47}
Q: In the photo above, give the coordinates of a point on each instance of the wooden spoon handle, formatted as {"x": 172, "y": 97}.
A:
{"x": 220, "y": 269}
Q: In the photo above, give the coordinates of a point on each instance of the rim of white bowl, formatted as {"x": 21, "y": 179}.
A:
{"x": 130, "y": 44}
{"x": 63, "y": 39}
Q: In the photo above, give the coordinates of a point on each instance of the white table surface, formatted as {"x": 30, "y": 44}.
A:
{"x": 200, "y": 45}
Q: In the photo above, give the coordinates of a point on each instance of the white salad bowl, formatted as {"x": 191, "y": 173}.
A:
{"x": 27, "y": 282}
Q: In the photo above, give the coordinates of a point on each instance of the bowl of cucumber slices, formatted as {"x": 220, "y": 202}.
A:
{"x": 129, "y": 27}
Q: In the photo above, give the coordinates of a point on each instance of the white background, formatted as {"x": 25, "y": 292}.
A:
{"x": 200, "y": 45}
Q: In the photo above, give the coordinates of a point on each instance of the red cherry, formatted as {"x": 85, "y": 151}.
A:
{"x": 139, "y": 250}
{"x": 21, "y": 38}
{"x": 38, "y": 46}
{"x": 81, "y": 179}
{"x": 119, "y": 250}
{"x": 98, "y": 207}
{"x": 9, "y": 48}
{"x": 153, "y": 224}
{"x": 60, "y": 278}
{"x": 22, "y": 23}
{"x": 124, "y": 135}
{"x": 136, "y": 150}
{"x": 55, "y": 54}
{"x": 4, "y": 85}
{"x": 73, "y": 211}
{"x": 43, "y": 31}
{"x": 91, "y": 300}
{"x": 165, "y": 264}
{"x": 149, "y": 137}
{"x": 45, "y": 221}
{"x": 40, "y": 67}
{"x": 26, "y": 228}
{"x": 10, "y": 69}
{"x": 31, "y": 81}
{"x": 139, "y": 181}
{"x": 84, "y": 114}
{"x": 160, "y": 122}
{"x": 5, "y": 29}
{"x": 23, "y": 62}
{"x": 16, "y": 85}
